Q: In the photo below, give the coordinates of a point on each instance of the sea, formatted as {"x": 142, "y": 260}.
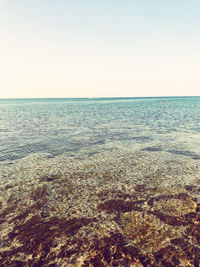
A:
{"x": 86, "y": 159}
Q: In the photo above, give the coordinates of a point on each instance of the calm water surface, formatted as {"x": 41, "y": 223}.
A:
{"x": 53, "y": 127}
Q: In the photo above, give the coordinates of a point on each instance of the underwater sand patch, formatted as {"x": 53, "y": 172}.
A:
{"x": 117, "y": 194}
{"x": 174, "y": 206}
{"x": 174, "y": 210}
{"x": 146, "y": 231}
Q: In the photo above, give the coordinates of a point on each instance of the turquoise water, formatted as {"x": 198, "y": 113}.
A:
{"x": 67, "y": 126}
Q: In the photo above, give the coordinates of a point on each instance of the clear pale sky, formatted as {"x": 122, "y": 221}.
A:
{"x": 99, "y": 48}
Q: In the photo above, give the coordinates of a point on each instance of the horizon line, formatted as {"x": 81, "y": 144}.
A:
{"x": 98, "y": 97}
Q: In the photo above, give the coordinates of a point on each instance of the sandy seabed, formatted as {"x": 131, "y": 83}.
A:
{"x": 132, "y": 209}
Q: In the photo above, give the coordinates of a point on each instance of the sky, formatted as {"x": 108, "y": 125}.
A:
{"x": 99, "y": 48}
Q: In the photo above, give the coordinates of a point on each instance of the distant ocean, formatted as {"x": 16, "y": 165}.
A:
{"x": 73, "y": 155}
{"x": 53, "y": 127}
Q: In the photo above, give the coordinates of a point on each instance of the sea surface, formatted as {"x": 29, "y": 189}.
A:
{"x": 92, "y": 168}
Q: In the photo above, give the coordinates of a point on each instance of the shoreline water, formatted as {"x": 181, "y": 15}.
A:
{"x": 100, "y": 183}
{"x": 134, "y": 209}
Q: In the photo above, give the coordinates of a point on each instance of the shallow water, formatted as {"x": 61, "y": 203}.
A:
{"x": 87, "y": 174}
